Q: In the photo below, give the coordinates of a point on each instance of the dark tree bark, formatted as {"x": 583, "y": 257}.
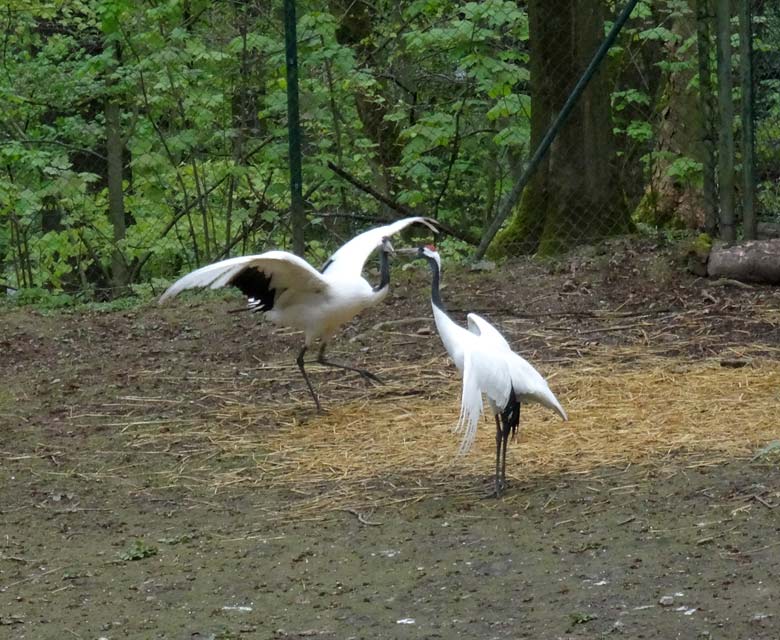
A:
{"x": 574, "y": 196}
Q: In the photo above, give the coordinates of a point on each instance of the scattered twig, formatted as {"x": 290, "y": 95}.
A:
{"x": 758, "y": 498}
{"x": 30, "y": 578}
{"x": 730, "y": 282}
{"x": 360, "y": 517}
{"x": 620, "y": 327}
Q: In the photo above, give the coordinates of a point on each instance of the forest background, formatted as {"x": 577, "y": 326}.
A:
{"x": 139, "y": 140}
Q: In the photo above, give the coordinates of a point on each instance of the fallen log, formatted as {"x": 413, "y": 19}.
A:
{"x": 767, "y": 230}
{"x": 752, "y": 261}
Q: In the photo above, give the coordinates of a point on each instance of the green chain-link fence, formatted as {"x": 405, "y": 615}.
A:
{"x": 766, "y": 25}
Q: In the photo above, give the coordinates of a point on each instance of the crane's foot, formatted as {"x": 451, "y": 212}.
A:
{"x": 369, "y": 377}
{"x": 366, "y": 375}
{"x": 498, "y": 489}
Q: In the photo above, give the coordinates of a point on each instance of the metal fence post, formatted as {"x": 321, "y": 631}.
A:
{"x": 726, "y": 109}
{"x": 748, "y": 121}
{"x": 706, "y": 99}
{"x": 297, "y": 214}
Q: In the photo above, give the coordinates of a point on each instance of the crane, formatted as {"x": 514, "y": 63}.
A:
{"x": 488, "y": 366}
{"x": 292, "y": 293}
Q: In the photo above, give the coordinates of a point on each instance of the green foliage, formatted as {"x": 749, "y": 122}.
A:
{"x": 766, "y": 143}
{"x": 702, "y": 244}
{"x": 454, "y": 250}
{"x": 579, "y": 617}
{"x": 684, "y": 169}
{"x": 42, "y": 298}
{"x": 206, "y": 173}
{"x": 138, "y": 550}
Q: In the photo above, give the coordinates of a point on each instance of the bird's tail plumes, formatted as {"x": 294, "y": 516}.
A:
{"x": 483, "y": 372}
{"x": 468, "y": 421}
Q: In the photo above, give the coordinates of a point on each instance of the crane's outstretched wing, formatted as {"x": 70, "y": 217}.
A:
{"x": 349, "y": 259}
{"x": 261, "y": 278}
{"x": 484, "y": 370}
{"x": 481, "y": 327}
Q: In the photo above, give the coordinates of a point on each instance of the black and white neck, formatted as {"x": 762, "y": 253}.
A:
{"x": 435, "y": 279}
{"x": 384, "y": 271}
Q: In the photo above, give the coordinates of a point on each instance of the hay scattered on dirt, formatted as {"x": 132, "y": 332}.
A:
{"x": 394, "y": 443}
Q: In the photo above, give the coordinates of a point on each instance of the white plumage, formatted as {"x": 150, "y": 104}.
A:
{"x": 490, "y": 367}
{"x": 292, "y": 293}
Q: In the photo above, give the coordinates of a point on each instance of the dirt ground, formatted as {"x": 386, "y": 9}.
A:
{"x": 142, "y": 497}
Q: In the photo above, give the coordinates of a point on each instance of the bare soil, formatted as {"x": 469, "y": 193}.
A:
{"x": 97, "y": 541}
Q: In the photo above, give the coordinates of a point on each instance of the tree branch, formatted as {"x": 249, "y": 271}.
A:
{"x": 453, "y": 157}
{"x": 396, "y": 206}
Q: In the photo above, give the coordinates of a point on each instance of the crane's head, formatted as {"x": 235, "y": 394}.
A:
{"x": 386, "y": 246}
{"x": 426, "y": 251}
{"x": 429, "y": 251}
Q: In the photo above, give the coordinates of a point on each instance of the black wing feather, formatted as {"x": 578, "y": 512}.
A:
{"x": 255, "y": 285}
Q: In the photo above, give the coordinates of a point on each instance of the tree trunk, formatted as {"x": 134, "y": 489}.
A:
{"x": 573, "y": 198}
{"x": 116, "y": 203}
{"x": 674, "y": 198}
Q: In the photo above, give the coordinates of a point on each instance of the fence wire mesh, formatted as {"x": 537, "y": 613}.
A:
{"x": 663, "y": 132}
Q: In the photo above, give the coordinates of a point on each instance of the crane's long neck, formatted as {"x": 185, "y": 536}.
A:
{"x": 435, "y": 278}
{"x": 384, "y": 272}
{"x": 449, "y": 332}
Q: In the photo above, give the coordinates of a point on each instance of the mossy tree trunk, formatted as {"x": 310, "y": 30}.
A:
{"x": 673, "y": 196}
{"x": 574, "y": 197}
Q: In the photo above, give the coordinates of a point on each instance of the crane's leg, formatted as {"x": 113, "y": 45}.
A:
{"x": 367, "y": 375}
{"x": 299, "y": 361}
{"x": 504, "y": 439}
{"x": 498, "y": 457}
{"x": 510, "y": 426}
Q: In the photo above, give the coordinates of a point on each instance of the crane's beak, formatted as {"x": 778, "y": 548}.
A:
{"x": 408, "y": 251}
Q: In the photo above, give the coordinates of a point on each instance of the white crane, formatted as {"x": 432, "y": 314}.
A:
{"x": 488, "y": 365}
{"x": 294, "y": 294}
